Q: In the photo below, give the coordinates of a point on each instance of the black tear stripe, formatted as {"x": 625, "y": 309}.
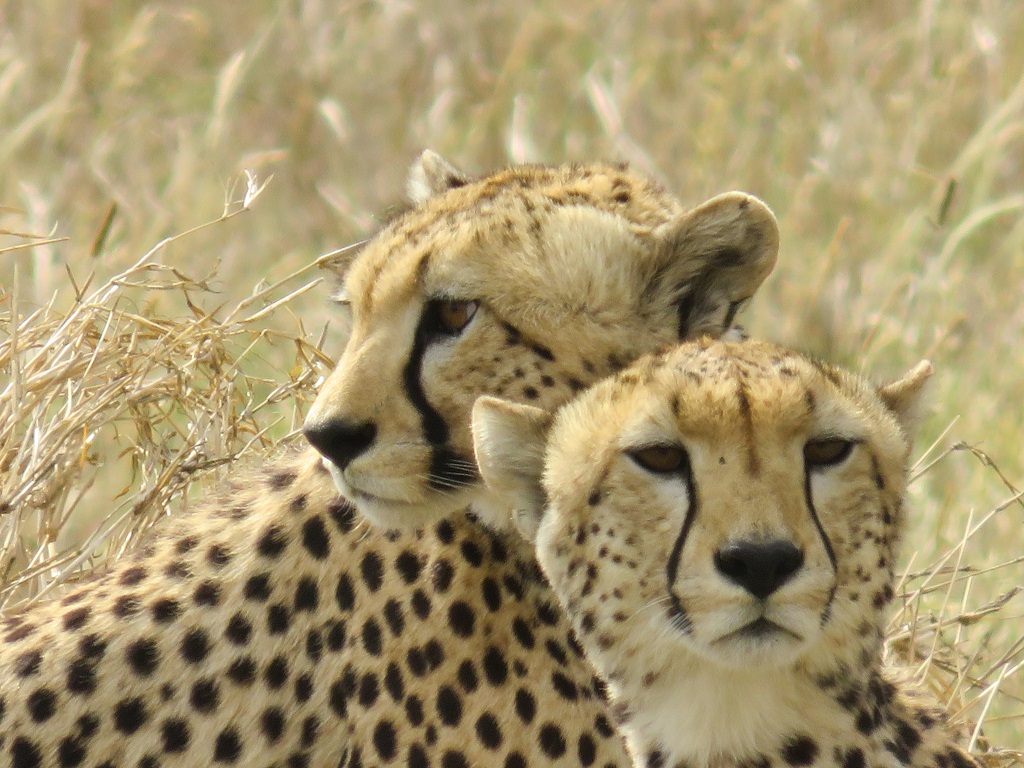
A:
{"x": 672, "y": 571}
{"x": 826, "y": 612}
{"x": 448, "y": 470}
{"x": 817, "y": 522}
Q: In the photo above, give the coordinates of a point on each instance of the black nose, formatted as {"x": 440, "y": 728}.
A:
{"x": 340, "y": 441}
{"x": 760, "y": 567}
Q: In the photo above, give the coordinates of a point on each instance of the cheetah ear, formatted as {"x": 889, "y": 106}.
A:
{"x": 904, "y": 396}
{"x": 509, "y": 440}
{"x": 431, "y": 175}
{"x": 718, "y": 255}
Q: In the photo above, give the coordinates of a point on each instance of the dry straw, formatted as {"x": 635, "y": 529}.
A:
{"x": 110, "y": 402}
{"x": 113, "y": 407}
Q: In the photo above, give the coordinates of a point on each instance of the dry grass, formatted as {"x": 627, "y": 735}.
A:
{"x": 889, "y": 138}
{"x": 116, "y": 389}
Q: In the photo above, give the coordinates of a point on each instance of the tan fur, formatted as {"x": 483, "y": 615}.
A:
{"x": 576, "y": 269}
{"x": 276, "y": 627}
{"x": 704, "y": 670}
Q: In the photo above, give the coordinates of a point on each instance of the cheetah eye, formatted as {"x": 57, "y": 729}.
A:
{"x": 661, "y": 459}
{"x": 828, "y": 452}
{"x": 452, "y": 316}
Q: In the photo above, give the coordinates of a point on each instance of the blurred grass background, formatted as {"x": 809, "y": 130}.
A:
{"x": 887, "y": 137}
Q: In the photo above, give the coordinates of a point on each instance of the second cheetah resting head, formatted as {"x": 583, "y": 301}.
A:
{"x": 721, "y": 524}
{"x": 527, "y": 284}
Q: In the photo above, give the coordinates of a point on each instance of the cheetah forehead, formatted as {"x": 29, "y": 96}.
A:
{"x": 503, "y": 220}
{"x": 724, "y": 391}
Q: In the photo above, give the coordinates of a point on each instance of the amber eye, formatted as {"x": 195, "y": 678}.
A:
{"x": 453, "y": 316}
{"x": 660, "y": 459}
{"x": 827, "y": 452}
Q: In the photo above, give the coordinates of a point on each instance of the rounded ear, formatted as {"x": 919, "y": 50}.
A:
{"x": 509, "y": 441}
{"x": 717, "y": 255}
{"x": 431, "y": 175}
{"x": 904, "y": 396}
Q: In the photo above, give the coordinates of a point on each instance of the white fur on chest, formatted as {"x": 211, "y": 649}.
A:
{"x": 706, "y": 715}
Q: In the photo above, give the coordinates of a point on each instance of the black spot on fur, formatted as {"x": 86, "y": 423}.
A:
{"x": 132, "y": 576}
{"x": 315, "y": 538}
{"x": 238, "y": 630}
{"x": 551, "y": 741}
{"x": 75, "y": 619}
{"x": 71, "y": 752}
{"x": 336, "y": 635}
{"x": 218, "y": 555}
{"x": 257, "y": 588}
{"x": 227, "y": 747}
{"x": 420, "y": 604}
{"x": 393, "y": 682}
{"x": 434, "y": 654}
{"x": 205, "y": 695}
{"x": 368, "y": 690}
{"x": 303, "y": 688}
{"x": 307, "y": 596}
{"x": 408, "y": 566}
{"x": 195, "y": 646}
{"x": 344, "y": 594}
{"x": 343, "y": 514}
{"x": 414, "y": 711}
{"x": 442, "y": 575}
{"x": 564, "y": 686}
{"x": 276, "y": 673}
{"x": 394, "y": 617}
{"x": 272, "y": 724}
{"x": 25, "y": 754}
{"x": 278, "y": 619}
{"x": 143, "y": 657}
{"x": 800, "y": 751}
{"x": 272, "y": 542}
{"x": 372, "y": 569}
{"x": 445, "y": 532}
{"x": 523, "y": 633}
{"x": 27, "y": 664}
{"x": 125, "y": 606}
{"x": 242, "y": 671}
{"x": 384, "y": 740}
{"x": 175, "y": 735}
{"x": 526, "y": 705}
{"x": 130, "y": 715}
{"x": 586, "y": 750}
{"x": 372, "y": 640}
{"x": 207, "y": 594}
{"x": 165, "y": 610}
{"x": 495, "y": 666}
{"x": 449, "y": 706}
{"x": 41, "y": 704}
{"x": 461, "y": 618}
{"x": 310, "y": 731}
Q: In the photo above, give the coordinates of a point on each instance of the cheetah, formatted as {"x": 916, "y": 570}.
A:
{"x": 275, "y": 626}
{"x": 720, "y": 523}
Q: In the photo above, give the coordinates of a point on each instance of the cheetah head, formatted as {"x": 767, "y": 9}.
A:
{"x": 732, "y": 503}
{"x": 528, "y": 285}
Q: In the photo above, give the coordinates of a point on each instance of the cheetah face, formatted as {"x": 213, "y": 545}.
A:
{"x": 527, "y": 285}
{"x": 729, "y": 503}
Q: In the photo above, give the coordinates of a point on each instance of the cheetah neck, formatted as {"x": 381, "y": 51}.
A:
{"x": 702, "y": 716}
